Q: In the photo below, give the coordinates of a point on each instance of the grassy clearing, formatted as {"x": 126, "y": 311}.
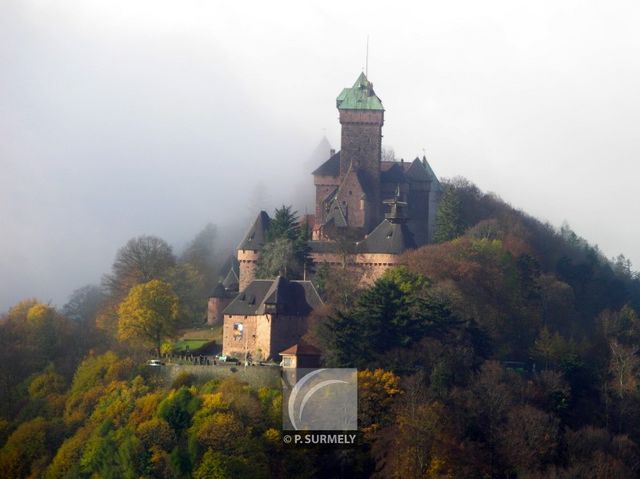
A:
{"x": 184, "y": 345}
{"x": 212, "y": 333}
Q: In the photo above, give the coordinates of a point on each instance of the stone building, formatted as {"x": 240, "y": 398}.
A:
{"x": 267, "y": 317}
{"x": 301, "y": 355}
{"x": 368, "y": 211}
{"x": 354, "y": 185}
{"x": 387, "y": 207}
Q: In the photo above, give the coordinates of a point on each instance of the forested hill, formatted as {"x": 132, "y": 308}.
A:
{"x": 509, "y": 349}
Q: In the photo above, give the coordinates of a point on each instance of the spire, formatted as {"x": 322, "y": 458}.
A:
{"x": 397, "y": 213}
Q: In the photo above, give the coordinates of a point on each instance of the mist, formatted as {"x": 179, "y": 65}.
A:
{"x": 153, "y": 117}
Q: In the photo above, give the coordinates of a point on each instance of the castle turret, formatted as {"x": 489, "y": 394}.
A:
{"x": 250, "y": 247}
{"x": 218, "y": 300}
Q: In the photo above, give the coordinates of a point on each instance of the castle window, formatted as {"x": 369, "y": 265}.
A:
{"x": 350, "y": 192}
{"x": 238, "y": 329}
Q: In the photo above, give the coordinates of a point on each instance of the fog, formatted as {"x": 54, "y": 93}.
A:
{"x": 124, "y": 118}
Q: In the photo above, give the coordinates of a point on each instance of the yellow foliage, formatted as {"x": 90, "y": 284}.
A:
{"x": 215, "y": 401}
{"x": 145, "y": 408}
{"x": 221, "y": 432}
{"x": 148, "y": 314}
{"x": 20, "y": 310}
{"x": 376, "y": 392}
{"x": 272, "y": 436}
{"x": 156, "y": 432}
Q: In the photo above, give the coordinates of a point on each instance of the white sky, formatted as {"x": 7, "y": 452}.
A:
{"x": 121, "y": 118}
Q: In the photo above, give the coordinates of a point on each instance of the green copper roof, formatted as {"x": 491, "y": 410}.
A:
{"x": 359, "y": 97}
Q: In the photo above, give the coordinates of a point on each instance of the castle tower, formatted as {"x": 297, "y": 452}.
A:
{"x": 361, "y": 117}
{"x": 250, "y": 248}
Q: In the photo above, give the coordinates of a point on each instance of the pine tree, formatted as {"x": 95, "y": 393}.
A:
{"x": 448, "y": 217}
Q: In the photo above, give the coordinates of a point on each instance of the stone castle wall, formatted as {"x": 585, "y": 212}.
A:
{"x": 368, "y": 266}
{"x": 215, "y": 308}
{"x": 264, "y": 336}
{"x": 247, "y": 271}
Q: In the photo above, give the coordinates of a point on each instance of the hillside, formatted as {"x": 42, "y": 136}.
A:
{"x": 508, "y": 349}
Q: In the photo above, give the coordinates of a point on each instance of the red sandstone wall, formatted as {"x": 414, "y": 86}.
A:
{"x": 215, "y": 308}
{"x": 247, "y": 260}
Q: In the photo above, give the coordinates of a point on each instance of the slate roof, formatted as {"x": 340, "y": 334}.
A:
{"x": 293, "y": 298}
{"x": 365, "y": 183}
{"x": 218, "y": 291}
{"x": 331, "y": 167}
{"x": 418, "y": 172}
{"x": 317, "y": 246}
{"x": 359, "y": 97}
{"x": 435, "y": 183}
{"x": 394, "y": 174}
{"x": 256, "y": 237}
{"x": 231, "y": 282}
{"x": 388, "y": 238}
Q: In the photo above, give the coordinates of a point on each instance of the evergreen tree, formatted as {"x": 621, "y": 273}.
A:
{"x": 448, "y": 217}
{"x": 286, "y": 250}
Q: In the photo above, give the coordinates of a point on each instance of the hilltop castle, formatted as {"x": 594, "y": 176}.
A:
{"x": 377, "y": 208}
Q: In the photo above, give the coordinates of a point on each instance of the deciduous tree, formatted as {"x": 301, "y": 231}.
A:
{"x": 149, "y": 314}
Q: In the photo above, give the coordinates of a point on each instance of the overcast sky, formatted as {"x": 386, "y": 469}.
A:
{"x": 128, "y": 117}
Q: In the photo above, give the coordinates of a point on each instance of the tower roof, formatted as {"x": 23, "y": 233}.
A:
{"x": 331, "y": 167}
{"x": 256, "y": 236}
{"x": 389, "y": 238}
{"x": 359, "y": 97}
{"x": 218, "y": 291}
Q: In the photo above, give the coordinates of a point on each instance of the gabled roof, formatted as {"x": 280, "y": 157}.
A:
{"x": 359, "y": 97}
{"x": 331, "y": 167}
{"x": 389, "y": 238}
{"x": 302, "y": 348}
{"x": 336, "y": 214}
{"x": 256, "y": 237}
{"x": 292, "y": 298}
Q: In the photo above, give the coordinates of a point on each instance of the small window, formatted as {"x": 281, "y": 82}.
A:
{"x": 238, "y": 329}
{"x": 286, "y": 362}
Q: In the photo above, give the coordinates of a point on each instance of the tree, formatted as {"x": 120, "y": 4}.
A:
{"x": 284, "y": 224}
{"x": 624, "y": 367}
{"x": 448, "y": 217}
{"x": 189, "y": 285}
{"x": 529, "y": 441}
{"x": 201, "y": 254}
{"x": 286, "y": 250}
{"x": 376, "y": 393}
{"x": 277, "y": 258}
{"x": 149, "y": 314}
{"x": 142, "y": 259}
{"x": 384, "y": 317}
{"x": 84, "y": 303}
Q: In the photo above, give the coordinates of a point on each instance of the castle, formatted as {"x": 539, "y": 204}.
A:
{"x": 368, "y": 211}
